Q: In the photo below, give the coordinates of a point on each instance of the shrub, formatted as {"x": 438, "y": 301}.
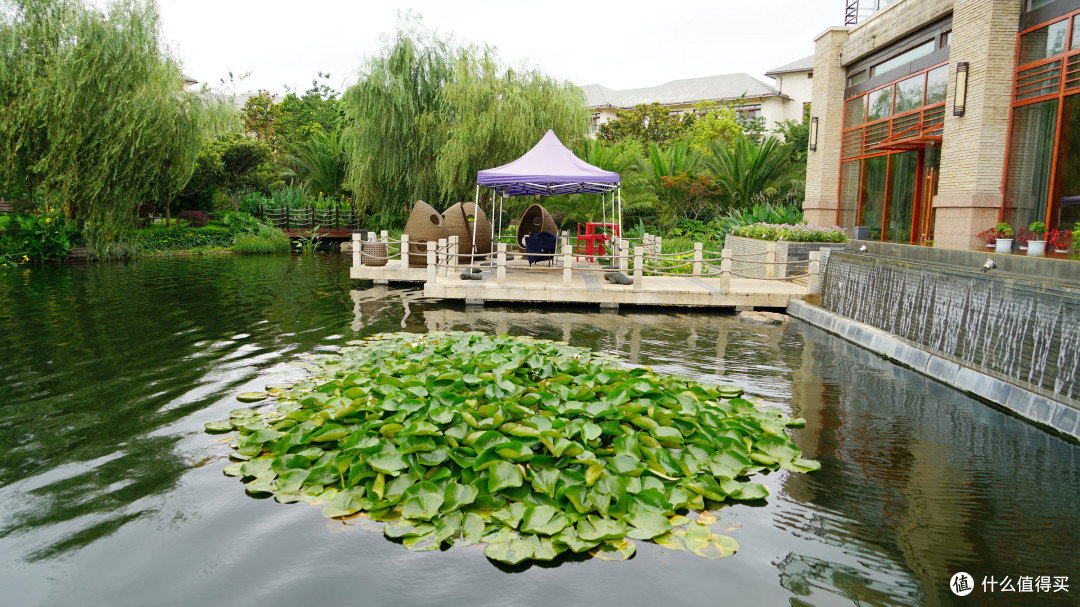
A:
{"x": 270, "y": 240}
{"x": 160, "y": 238}
{"x": 799, "y": 232}
{"x": 1004, "y": 230}
{"x": 145, "y": 210}
{"x": 197, "y": 219}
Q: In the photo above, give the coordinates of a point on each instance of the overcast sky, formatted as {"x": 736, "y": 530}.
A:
{"x": 621, "y": 45}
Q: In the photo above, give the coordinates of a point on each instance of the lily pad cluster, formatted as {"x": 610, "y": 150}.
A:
{"x": 532, "y": 447}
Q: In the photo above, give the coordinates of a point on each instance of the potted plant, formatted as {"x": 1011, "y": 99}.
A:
{"x": 1004, "y": 241}
{"x": 1037, "y": 242}
{"x": 1059, "y": 240}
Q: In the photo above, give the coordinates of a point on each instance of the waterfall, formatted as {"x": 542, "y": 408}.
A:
{"x": 1024, "y": 331}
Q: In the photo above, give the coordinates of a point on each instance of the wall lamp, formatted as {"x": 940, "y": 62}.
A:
{"x": 813, "y": 134}
{"x": 960, "y": 90}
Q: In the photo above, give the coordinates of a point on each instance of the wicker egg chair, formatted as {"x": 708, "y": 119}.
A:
{"x": 534, "y": 219}
{"x": 424, "y": 225}
{"x": 457, "y": 223}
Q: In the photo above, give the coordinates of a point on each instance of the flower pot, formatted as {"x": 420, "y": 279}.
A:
{"x": 1003, "y": 245}
{"x": 1036, "y": 248}
{"x": 1061, "y": 250}
{"x": 990, "y": 245}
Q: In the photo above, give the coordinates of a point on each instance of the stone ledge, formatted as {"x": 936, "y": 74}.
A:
{"x": 1059, "y": 417}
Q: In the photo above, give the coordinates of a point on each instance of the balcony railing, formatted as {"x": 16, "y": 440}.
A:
{"x": 857, "y": 11}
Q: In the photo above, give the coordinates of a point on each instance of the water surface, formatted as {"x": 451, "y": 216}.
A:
{"x": 111, "y": 494}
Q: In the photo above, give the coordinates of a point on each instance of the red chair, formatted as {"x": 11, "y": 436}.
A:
{"x": 591, "y": 243}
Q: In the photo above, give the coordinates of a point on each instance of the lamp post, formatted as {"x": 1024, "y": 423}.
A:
{"x": 813, "y": 134}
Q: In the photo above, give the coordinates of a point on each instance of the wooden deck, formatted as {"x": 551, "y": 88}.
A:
{"x": 588, "y": 286}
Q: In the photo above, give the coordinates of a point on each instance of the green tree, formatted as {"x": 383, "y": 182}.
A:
{"x": 427, "y": 114}
{"x": 645, "y": 124}
{"x": 713, "y": 122}
{"x": 245, "y": 166}
{"x": 93, "y": 111}
{"x": 301, "y": 117}
{"x": 260, "y": 115}
{"x": 750, "y": 172}
{"x": 797, "y": 135}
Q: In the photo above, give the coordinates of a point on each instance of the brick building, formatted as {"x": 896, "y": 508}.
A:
{"x": 935, "y": 119}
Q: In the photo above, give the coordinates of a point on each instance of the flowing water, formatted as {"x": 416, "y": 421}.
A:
{"x": 111, "y": 494}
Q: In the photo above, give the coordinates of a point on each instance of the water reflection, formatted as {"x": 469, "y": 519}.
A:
{"x": 107, "y": 480}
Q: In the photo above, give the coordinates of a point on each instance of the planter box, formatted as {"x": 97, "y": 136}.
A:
{"x": 748, "y": 253}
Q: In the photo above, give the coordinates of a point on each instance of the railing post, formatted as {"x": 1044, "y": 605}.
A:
{"x": 384, "y": 236}
{"x": 500, "y": 263}
{"x": 658, "y": 245}
{"x": 357, "y": 260}
{"x": 624, "y": 256}
{"x": 567, "y": 265}
{"x": 770, "y": 260}
{"x": 725, "y": 270}
{"x": 431, "y": 262}
{"x": 639, "y": 264}
{"x": 698, "y": 249}
{"x": 404, "y": 252}
{"x": 287, "y": 227}
{"x": 813, "y": 283}
{"x": 440, "y": 256}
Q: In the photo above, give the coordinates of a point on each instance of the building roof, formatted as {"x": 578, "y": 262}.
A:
{"x": 679, "y": 92}
{"x": 188, "y": 79}
{"x": 806, "y": 64}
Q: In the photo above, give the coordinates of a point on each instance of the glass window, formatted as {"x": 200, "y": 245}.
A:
{"x": 946, "y": 39}
{"x": 872, "y": 201}
{"x": 1038, "y": 4}
{"x": 849, "y": 193}
{"x": 1068, "y": 212}
{"x": 856, "y": 78}
{"x": 880, "y": 104}
{"x": 937, "y": 80}
{"x": 1076, "y": 35}
{"x": 1031, "y": 151}
{"x": 909, "y": 94}
{"x": 908, "y": 56}
{"x": 904, "y": 173}
{"x": 855, "y": 111}
{"x": 1043, "y": 42}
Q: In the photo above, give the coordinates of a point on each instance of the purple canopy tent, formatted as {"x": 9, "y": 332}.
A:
{"x": 550, "y": 169}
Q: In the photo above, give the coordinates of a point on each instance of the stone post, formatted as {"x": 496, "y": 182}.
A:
{"x": 404, "y": 252}
{"x": 567, "y": 265}
{"x": 725, "y": 270}
{"x": 440, "y": 256}
{"x": 639, "y": 263}
{"x": 500, "y": 263}
{"x": 430, "y": 262}
{"x": 770, "y": 260}
{"x": 698, "y": 250}
{"x": 357, "y": 260}
{"x": 813, "y": 283}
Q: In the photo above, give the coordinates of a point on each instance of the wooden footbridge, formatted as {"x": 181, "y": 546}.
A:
{"x": 695, "y": 278}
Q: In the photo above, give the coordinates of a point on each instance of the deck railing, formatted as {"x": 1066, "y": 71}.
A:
{"x": 306, "y": 218}
{"x": 644, "y": 259}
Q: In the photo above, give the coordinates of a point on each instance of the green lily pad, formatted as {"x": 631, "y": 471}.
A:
{"x": 529, "y": 446}
{"x": 252, "y": 397}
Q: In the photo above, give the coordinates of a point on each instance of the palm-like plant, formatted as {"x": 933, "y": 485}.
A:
{"x": 675, "y": 159}
{"x": 750, "y": 172}
{"x": 319, "y": 163}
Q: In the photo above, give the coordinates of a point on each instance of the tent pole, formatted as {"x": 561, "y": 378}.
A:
{"x": 618, "y": 192}
{"x": 476, "y": 216}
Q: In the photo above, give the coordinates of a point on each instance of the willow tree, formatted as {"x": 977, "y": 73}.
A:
{"x": 93, "y": 112}
{"x": 427, "y": 114}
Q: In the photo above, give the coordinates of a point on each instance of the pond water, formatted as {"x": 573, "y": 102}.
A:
{"x": 111, "y": 494}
